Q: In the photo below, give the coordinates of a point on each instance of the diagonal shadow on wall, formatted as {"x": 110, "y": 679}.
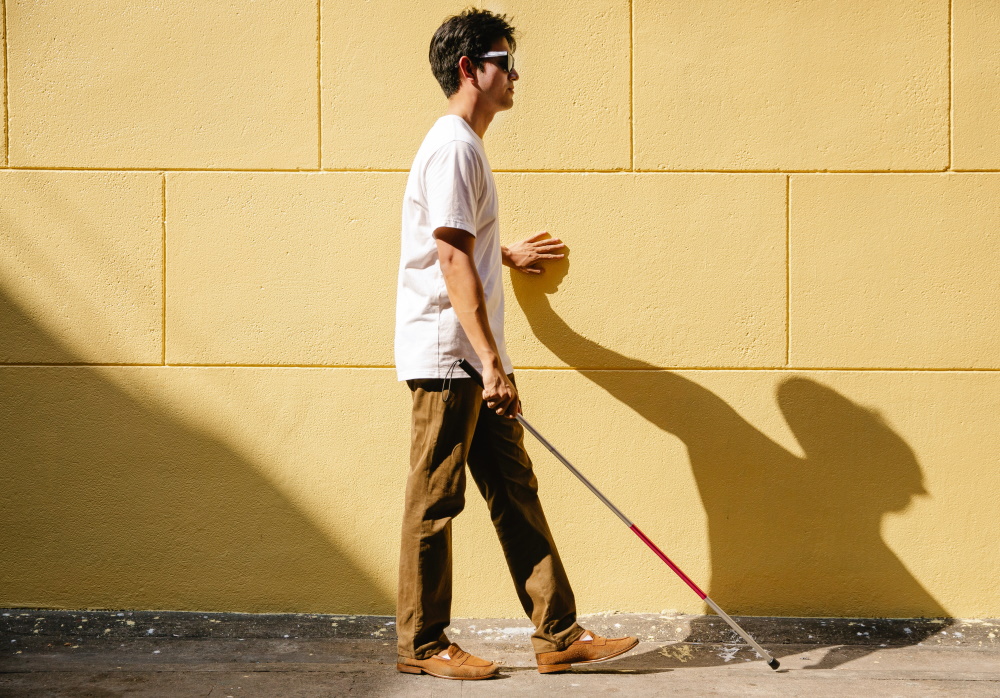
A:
{"x": 788, "y": 536}
{"x": 109, "y": 501}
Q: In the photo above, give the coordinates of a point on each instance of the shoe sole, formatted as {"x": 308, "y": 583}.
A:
{"x": 407, "y": 669}
{"x": 558, "y": 668}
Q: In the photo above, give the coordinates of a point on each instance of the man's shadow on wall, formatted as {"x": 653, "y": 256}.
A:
{"x": 788, "y": 536}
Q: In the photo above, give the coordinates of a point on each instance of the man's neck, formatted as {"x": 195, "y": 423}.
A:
{"x": 476, "y": 117}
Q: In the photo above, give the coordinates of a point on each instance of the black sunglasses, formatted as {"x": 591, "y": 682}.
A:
{"x": 506, "y": 65}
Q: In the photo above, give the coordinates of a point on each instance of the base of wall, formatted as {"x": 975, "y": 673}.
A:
{"x": 647, "y": 627}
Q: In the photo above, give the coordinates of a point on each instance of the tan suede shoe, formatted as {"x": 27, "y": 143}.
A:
{"x": 596, "y": 649}
{"x": 453, "y": 663}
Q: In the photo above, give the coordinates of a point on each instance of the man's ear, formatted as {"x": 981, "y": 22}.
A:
{"x": 466, "y": 70}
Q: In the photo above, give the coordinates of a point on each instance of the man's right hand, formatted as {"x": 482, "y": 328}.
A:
{"x": 499, "y": 393}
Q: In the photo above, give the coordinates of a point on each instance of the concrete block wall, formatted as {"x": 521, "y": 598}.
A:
{"x": 774, "y": 342}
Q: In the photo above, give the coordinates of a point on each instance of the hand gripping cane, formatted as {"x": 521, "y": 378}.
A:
{"x": 771, "y": 661}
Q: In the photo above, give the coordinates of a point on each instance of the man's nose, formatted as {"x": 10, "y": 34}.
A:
{"x": 514, "y": 74}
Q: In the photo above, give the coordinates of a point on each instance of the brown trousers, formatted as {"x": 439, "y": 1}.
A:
{"x": 449, "y": 428}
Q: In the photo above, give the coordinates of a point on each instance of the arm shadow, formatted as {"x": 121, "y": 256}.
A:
{"x": 789, "y": 535}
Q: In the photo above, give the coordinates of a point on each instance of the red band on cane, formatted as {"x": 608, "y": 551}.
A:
{"x": 670, "y": 564}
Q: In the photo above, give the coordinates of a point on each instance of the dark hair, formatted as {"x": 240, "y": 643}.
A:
{"x": 470, "y": 33}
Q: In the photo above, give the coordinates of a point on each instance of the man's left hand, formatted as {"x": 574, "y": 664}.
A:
{"x": 524, "y": 256}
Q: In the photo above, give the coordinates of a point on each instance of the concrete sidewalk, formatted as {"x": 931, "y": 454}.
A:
{"x": 47, "y": 653}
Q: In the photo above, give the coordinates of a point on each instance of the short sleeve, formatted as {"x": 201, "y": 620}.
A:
{"x": 453, "y": 180}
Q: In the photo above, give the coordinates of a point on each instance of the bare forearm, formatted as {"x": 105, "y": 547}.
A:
{"x": 465, "y": 290}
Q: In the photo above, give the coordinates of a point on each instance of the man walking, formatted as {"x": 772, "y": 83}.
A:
{"x": 450, "y": 307}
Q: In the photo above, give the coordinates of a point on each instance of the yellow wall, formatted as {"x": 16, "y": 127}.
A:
{"x": 774, "y": 343}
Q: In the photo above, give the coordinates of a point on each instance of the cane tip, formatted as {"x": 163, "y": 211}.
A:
{"x": 773, "y": 664}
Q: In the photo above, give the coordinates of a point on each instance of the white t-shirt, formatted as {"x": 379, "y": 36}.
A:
{"x": 450, "y": 186}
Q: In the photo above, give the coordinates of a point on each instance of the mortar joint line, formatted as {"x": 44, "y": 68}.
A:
{"x": 631, "y": 84}
{"x": 6, "y": 100}
{"x": 620, "y": 170}
{"x": 788, "y": 270}
{"x": 951, "y": 86}
{"x": 776, "y": 368}
{"x": 587, "y": 369}
{"x": 163, "y": 268}
{"x": 78, "y": 364}
{"x": 319, "y": 80}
